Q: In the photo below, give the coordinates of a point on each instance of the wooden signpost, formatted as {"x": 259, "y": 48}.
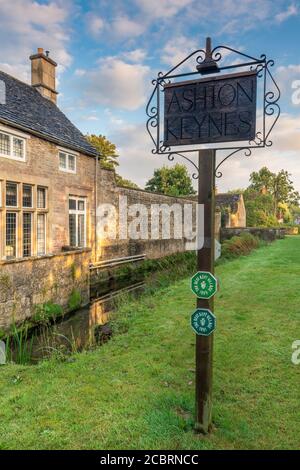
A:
{"x": 210, "y": 110}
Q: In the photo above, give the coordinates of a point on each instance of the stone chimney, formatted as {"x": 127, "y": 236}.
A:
{"x": 43, "y": 74}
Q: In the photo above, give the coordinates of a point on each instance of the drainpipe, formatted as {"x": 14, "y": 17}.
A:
{"x": 96, "y": 205}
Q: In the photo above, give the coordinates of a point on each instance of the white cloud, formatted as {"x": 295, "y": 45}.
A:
{"x": 91, "y": 118}
{"x": 177, "y": 49}
{"x": 126, "y": 27}
{"x": 285, "y": 76}
{"x": 80, "y": 72}
{"x": 95, "y": 24}
{"x": 26, "y": 25}
{"x": 292, "y": 10}
{"x": 283, "y": 154}
{"x": 134, "y": 147}
{"x": 117, "y": 84}
{"x": 20, "y": 71}
{"x": 138, "y": 163}
{"x": 136, "y": 55}
{"x": 162, "y": 8}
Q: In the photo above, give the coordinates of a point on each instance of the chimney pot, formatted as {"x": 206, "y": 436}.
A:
{"x": 40, "y": 50}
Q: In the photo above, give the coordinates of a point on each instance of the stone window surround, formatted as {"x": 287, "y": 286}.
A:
{"x": 19, "y": 135}
{"x": 67, "y": 153}
{"x": 77, "y": 212}
{"x": 19, "y": 210}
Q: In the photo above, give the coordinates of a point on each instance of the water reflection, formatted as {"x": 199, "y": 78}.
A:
{"x": 80, "y": 330}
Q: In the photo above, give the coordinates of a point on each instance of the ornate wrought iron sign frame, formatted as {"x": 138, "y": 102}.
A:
{"x": 209, "y": 61}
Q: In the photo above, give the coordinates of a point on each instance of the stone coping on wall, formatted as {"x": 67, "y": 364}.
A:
{"x": 48, "y": 256}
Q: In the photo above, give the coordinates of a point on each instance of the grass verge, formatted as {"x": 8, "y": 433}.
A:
{"x": 137, "y": 391}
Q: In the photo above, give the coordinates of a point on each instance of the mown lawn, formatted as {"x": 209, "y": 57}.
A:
{"x": 137, "y": 391}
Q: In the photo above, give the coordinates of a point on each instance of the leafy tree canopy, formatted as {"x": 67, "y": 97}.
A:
{"x": 174, "y": 181}
{"x": 109, "y": 157}
{"x": 124, "y": 182}
{"x": 278, "y": 185}
{"x": 106, "y": 149}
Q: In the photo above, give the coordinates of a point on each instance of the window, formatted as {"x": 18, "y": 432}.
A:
{"x": 11, "y": 235}
{"x": 4, "y": 144}
{"x": 27, "y": 234}
{"x": 27, "y": 195}
{"x": 41, "y": 234}
{"x": 12, "y": 146}
{"x": 24, "y": 220}
{"x": 67, "y": 162}
{"x": 41, "y": 198}
{"x": 11, "y": 194}
{"x": 18, "y": 147}
{"x": 77, "y": 222}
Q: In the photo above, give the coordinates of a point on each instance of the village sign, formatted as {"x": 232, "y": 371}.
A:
{"x": 203, "y": 115}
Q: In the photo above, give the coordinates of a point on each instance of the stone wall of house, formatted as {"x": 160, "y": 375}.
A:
{"x": 238, "y": 219}
{"x": 42, "y": 168}
{"x": 28, "y": 283}
{"x": 109, "y": 193}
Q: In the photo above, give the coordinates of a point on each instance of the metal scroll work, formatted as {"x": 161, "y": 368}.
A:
{"x": 205, "y": 68}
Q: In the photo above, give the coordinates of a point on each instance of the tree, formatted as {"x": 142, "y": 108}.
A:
{"x": 278, "y": 185}
{"x": 106, "y": 149}
{"x": 124, "y": 182}
{"x": 259, "y": 208}
{"x": 173, "y": 181}
{"x": 109, "y": 156}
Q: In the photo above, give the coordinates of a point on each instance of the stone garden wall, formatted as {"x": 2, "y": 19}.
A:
{"x": 109, "y": 193}
{"x": 25, "y": 284}
{"x": 267, "y": 234}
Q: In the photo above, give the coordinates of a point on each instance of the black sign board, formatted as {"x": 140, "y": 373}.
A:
{"x": 209, "y": 110}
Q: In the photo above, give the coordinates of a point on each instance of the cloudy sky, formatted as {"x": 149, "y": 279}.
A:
{"x": 108, "y": 52}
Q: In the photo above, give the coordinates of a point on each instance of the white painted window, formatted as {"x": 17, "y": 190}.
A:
{"x": 67, "y": 162}
{"x": 24, "y": 220}
{"x": 77, "y": 221}
{"x": 41, "y": 197}
{"x": 27, "y": 234}
{"x": 12, "y": 146}
{"x": 11, "y": 194}
{"x": 27, "y": 196}
{"x": 41, "y": 234}
{"x": 11, "y": 227}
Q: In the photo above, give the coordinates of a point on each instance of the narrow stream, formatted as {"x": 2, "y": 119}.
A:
{"x": 78, "y": 330}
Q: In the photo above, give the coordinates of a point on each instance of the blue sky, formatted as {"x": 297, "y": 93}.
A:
{"x": 108, "y": 51}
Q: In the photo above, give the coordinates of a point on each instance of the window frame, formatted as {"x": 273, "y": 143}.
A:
{"x": 32, "y": 196}
{"x": 17, "y": 195}
{"x": 44, "y": 188}
{"x": 16, "y": 235}
{"x": 77, "y": 213}
{"x": 67, "y": 153}
{"x": 31, "y": 233}
{"x": 11, "y": 137}
{"x": 20, "y": 210}
{"x": 44, "y": 215}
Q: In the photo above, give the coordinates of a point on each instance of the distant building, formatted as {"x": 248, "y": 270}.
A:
{"x": 232, "y": 208}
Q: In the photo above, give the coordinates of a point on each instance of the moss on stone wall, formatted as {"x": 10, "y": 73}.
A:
{"x": 75, "y": 300}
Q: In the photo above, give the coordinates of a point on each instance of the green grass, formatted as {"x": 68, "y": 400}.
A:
{"x": 137, "y": 391}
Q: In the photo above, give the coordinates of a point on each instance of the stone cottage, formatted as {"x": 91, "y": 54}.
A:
{"x": 232, "y": 208}
{"x": 50, "y": 187}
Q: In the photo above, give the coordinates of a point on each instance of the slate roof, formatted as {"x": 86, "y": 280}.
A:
{"x": 228, "y": 200}
{"x": 28, "y": 110}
